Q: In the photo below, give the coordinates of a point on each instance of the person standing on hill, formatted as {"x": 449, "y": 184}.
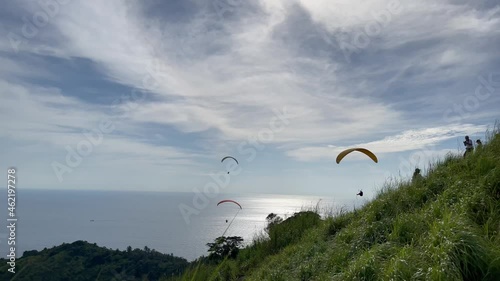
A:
{"x": 469, "y": 147}
{"x": 416, "y": 175}
{"x": 479, "y": 144}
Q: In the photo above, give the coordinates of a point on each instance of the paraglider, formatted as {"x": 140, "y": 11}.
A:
{"x": 231, "y": 201}
{"x": 362, "y": 150}
{"x": 234, "y": 202}
{"x": 231, "y": 157}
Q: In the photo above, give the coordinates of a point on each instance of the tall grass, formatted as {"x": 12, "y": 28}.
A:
{"x": 444, "y": 227}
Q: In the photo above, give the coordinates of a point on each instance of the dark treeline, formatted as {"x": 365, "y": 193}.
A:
{"x": 81, "y": 260}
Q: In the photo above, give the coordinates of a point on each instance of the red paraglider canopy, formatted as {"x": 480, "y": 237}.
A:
{"x": 232, "y": 201}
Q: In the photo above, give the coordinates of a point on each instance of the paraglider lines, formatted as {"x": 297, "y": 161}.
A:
{"x": 231, "y": 222}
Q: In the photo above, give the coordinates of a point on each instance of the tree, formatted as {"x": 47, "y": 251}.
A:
{"x": 272, "y": 220}
{"x": 224, "y": 246}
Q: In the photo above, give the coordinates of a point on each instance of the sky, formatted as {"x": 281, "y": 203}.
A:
{"x": 150, "y": 95}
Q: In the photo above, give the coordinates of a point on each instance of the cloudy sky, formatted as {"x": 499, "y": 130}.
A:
{"x": 150, "y": 95}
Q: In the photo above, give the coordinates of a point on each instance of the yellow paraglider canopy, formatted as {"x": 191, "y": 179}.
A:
{"x": 363, "y": 150}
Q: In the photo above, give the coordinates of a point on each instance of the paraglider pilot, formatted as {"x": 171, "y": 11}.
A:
{"x": 360, "y": 193}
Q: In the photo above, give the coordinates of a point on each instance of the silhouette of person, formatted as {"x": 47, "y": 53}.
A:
{"x": 479, "y": 144}
{"x": 416, "y": 175}
{"x": 469, "y": 147}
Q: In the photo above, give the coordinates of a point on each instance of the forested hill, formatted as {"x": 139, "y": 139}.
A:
{"x": 442, "y": 226}
{"x": 84, "y": 261}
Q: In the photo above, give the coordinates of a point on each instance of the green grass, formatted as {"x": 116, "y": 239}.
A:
{"x": 443, "y": 227}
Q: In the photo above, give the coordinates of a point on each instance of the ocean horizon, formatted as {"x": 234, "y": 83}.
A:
{"x": 118, "y": 219}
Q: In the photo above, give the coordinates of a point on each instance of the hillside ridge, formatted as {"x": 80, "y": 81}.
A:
{"x": 443, "y": 226}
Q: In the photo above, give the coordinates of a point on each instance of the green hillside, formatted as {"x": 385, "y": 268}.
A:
{"x": 444, "y": 226}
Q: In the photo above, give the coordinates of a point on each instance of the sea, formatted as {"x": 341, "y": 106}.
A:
{"x": 118, "y": 219}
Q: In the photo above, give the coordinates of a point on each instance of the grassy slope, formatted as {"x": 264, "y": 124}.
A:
{"x": 444, "y": 227}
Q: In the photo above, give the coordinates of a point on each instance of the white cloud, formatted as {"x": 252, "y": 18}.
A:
{"x": 476, "y": 21}
{"x": 234, "y": 92}
{"x": 45, "y": 116}
{"x": 224, "y": 80}
{"x": 406, "y": 141}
